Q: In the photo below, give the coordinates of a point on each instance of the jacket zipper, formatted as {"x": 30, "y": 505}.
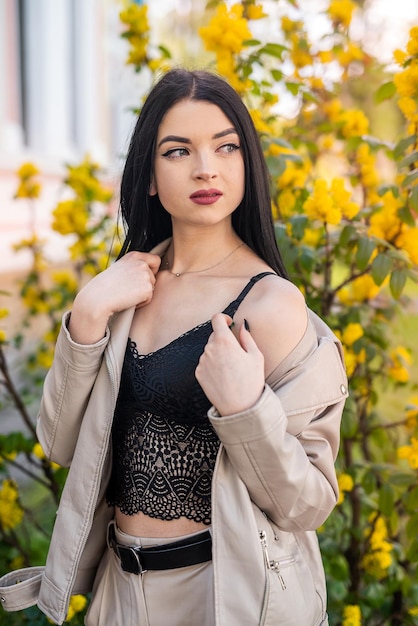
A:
{"x": 274, "y": 564}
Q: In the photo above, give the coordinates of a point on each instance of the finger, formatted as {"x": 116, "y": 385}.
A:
{"x": 245, "y": 338}
{"x": 221, "y": 323}
{"x": 152, "y": 260}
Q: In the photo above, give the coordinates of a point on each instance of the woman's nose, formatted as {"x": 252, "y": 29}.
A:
{"x": 204, "y": 168}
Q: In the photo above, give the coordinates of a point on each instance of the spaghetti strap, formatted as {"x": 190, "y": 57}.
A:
{"x": 231, "y": 309}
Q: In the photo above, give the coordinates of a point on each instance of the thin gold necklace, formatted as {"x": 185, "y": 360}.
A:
{"x": 206, "y": 269}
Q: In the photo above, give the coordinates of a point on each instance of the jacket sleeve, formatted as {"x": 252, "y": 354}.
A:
{"x": 66, "y": 392}
{"x": 284, "y": 447}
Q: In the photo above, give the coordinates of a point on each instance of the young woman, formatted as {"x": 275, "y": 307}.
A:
{"x": 195, "y": 398}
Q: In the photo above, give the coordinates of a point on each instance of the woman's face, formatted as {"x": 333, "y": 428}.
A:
{"x": 198, "y": 167}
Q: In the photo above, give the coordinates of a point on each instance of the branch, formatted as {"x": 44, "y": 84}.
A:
{"x": 11, "y": 388}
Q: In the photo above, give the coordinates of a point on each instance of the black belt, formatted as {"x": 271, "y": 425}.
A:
{"x": 137, "y": 560}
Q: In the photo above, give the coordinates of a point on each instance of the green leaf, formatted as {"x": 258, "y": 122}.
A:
{"x": 364, "y": 251}
{"x": 406, "y": 216}
{"x": 293, "y": 87}
{"x": 413, "y": 200}
{"x": 165, "y": 52}
{"x": 251, "y": 42}
{"x": 412, "y": 499}
{"x": 368, "y": 482}
{"x": 403, "y": 144}
{"x": 411, "y": 178}
{"x": 273, "y": 49}
{"x": 412, "y": 526}
{"x": 386, "y": 499}
{"x": 347, "y": 234}
{"x": 277, "y": 75}
{"x": 385, "y": 91}
{"x": 409, "y": 159}
{"x": 276, "y": 165}
{"x": 403, "y": 479}
{"x": 381, "y": 267}
{"x": 397, "y": 283}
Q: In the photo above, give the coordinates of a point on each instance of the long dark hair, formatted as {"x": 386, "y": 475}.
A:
{"x": 145, "y": 220}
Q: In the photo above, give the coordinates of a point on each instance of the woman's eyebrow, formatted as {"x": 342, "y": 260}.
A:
{"x": 177, "y": 138}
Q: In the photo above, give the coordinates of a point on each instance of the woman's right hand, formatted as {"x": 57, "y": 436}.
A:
{"x": 128, "y": 282}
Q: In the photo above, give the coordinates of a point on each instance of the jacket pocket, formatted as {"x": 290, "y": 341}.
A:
{"x": 291, "y": 596}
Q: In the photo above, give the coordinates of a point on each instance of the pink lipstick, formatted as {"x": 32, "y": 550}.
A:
{"x": 206, "y": 196}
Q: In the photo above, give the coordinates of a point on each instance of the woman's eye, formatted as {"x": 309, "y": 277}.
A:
{"x": 229, "y": 147}
{"x": 174, "y": 153}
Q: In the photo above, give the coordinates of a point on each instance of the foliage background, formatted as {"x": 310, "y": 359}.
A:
{"x": 345, "y": 199}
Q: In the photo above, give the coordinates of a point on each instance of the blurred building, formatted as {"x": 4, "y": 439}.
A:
{"x": 64, "y": 92}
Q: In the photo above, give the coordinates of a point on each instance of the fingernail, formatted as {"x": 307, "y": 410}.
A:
{"x": 246, "y": 324}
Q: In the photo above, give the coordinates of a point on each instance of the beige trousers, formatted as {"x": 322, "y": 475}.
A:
{"x": 176, "y": 597}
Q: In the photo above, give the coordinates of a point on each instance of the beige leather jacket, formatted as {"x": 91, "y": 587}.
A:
{"x": 274, "y": 482}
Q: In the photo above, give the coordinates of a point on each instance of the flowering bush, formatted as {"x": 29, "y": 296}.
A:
{"x": 345, "y": 204}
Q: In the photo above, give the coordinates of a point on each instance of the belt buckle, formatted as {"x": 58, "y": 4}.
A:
{"x": 127, "y": 567}
{"x": 134, "y": 566}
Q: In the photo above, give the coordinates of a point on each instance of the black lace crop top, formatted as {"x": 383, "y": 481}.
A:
{"x": 164, "y": 447}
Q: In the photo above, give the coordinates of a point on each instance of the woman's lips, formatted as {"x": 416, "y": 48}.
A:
{"x": 206, "y": 196}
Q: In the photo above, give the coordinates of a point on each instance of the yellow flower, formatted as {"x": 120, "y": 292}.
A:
{"x": 311, "y": 237}
{"x": 351, "y": 615}
{"x": 77, "y": 604}
{"x": 367, "y": 167}
{"x": 321, "y": 206}
{"x": 3, "y": 313}
{"x": 135, "y": 17}
{"x": 353, "y": 359}
{"x": 352, "y": 333}
{"x": 255, "y": 12}
{"x": 345, "y": 485}
{"x": 227, "y": 30}
{"x": 333, "y": 109}
{"x": 342, "y": 198}
{"x": 83, "y": 180}
{"x": 408, "y": 241}
{"x": 70, "y": 216}
{"x": 326, "y": 56}
{"x": 3, "y": 336}
{"x": 406, "y": 81}
{"x": 409, "y": 108}
{"x": 360, "y": 290}
{"x": 354, "y": 123}
{"x": 286, "y": 202}
{"x": 259, "y": 123}
{"x": 11, "y": 513}
{"x": 385, "y": 222}
{"x": 65, "y": 279}
{"x": 341, "y": 11}
{"x": 412, "y": 413}
{"x": 44, "y": 357}
{"x": 27, "y": 170}
{"x": 410, "y": 453}
{"x": 300, "y": 52}
{"x": 412, "y": 45}
{"x": 289, "y": 25}
{"x": 38, "y": 451}
{"x": 28, "y": 187}
{"x": 400, "y": 57}
{"x": 400, "y": 361}
{"x": 295, "y": 175}
{"x": 378, "y": 560}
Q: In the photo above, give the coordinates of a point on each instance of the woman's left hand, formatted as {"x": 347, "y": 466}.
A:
{"x": 231, "y": 370}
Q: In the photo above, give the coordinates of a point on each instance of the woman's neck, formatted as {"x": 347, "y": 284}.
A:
{"x": 197, "y": 252}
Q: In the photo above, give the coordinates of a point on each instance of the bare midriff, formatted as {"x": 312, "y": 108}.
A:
{"x": 141, "y": 525}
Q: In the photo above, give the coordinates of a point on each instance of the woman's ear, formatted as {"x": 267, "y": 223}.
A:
{"x": 152, "y": 188}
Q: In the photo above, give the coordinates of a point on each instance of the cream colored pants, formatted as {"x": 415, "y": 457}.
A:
{"x": 176, "y": 597}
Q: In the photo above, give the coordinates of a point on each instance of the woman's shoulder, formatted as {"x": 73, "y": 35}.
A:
{"x": 278, "y": 317}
